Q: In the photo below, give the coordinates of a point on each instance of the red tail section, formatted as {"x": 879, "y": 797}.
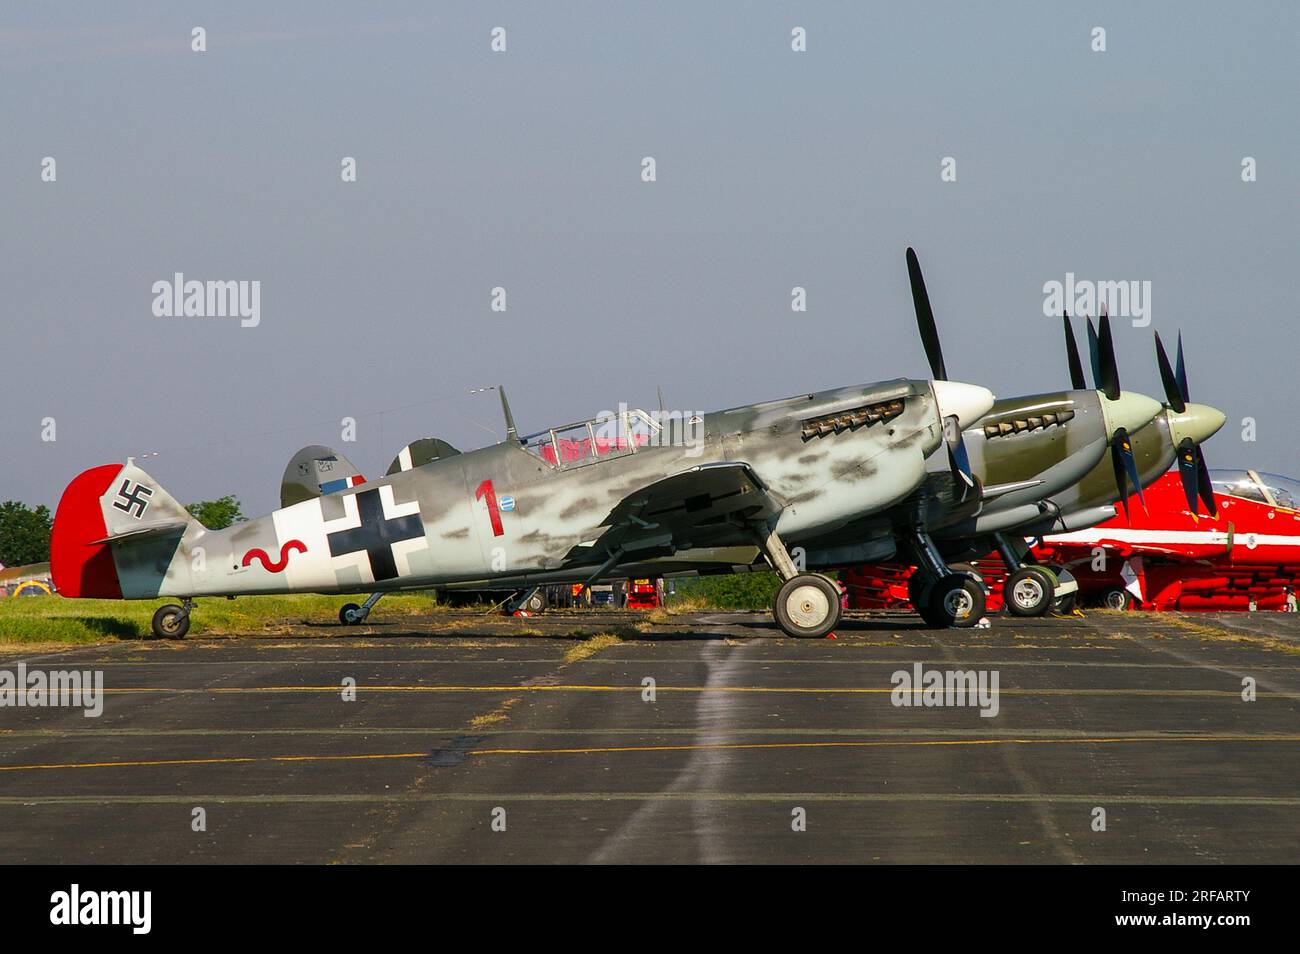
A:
{"x": 80, "y": 566}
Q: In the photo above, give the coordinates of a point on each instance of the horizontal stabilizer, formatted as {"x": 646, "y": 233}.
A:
{"x": 151, "y": 530}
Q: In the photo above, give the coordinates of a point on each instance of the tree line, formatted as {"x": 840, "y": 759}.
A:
{"x": 25, "y": 531}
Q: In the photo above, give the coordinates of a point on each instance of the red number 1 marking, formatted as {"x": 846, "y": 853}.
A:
{"x": 486, "y": 490}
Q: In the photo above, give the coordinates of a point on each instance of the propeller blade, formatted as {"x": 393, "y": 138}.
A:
{"x": 1125, "y": 467}
{"x": 925, "y": 318}
{"x": 1180, "y": 371}
{"x": 1109, "y": 380}
{"x": 1077, "y": 381}
{"x": 1203, "y": 484}
{"x": 958, "y": 458}
{"x": 1094, "y": 357}
{"x": 1173, "y": 393}
{"x": 1188, "y": 472}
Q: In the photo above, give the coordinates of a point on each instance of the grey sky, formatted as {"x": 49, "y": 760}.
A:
{"x": 522, "y": 170}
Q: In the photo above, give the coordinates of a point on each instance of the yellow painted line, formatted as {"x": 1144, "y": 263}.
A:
{"x": 231, "y": 760}
{"x": 778, "y": 690}
{"x": 594, "y": 750}
{"x": 875, "y": 744}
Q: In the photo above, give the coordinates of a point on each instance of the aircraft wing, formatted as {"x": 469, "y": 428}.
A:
{"x": 685, "y": 510}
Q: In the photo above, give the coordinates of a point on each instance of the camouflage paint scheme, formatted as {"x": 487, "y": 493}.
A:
{"x": 1023, "y": 452}
{"x": 505, "y": 512}
{"x": 1092, "y": 500}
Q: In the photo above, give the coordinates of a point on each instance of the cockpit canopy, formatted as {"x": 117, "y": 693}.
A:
{"x": 1272, "y": 489}
{"x": 609, "y": 435}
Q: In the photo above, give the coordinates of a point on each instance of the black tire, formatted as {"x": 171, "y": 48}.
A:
{"x": 916, "y": 589}
{"x": 535, "y": 603}
{"x": 1064, "y": 605}
{"x": 1029, "y": 592}
{"x": 807, "y": 606}
{"x": 169, "y": 623}
{"x": 1117, "y": 598}
{"x": 348, "y": 615}
{"x": 956, "y": 600}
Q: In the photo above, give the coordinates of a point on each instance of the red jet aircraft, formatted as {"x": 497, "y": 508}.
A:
{"x": 1166, "y": 557}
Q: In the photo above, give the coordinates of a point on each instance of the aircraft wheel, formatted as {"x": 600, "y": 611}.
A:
{"x": 956, "y": 600}
{"x": 535, "y": 603}
{"x": 1117, "y": 598}
{"x": 807, "y": 606}
{"x": 1028, "y": 592}
{"x": 350, "y": 614}
{"x": 916, "y": 589}
{"x": 169, "y": 623}
{"x": 969, "y": 569}
{"x": 1066, "y": 604}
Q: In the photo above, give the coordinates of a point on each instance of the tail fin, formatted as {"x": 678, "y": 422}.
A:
{"x": 418, "y": 453}
{"x": 115, "y": 534}
{"x": 314, "y": 472}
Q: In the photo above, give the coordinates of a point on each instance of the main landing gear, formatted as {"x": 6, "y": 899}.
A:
{"x": 528, "y": 602}
{"x": 353, "y": 615}
{"x": 172, "y": 621}
{"x": 944, "y": 596}
{"x": 808, "y": 604}
{"x": 1032, "y": 589}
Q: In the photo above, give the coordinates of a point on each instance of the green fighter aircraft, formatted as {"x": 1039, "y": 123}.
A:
{"x": 1175, "y": 435}
{"x": 1019, "y": 457}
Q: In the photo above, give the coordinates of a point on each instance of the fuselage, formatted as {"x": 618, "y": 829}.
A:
{"x": 532, "y": 509}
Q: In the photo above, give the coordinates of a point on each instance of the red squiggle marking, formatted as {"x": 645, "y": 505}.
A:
{"x": 260, "y": 554}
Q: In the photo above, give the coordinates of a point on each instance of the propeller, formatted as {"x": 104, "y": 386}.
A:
{"x": 1108, "y": 383}
{"x": 1077, "y": 381}
{"x": 1192, "y": 469}
{"x": 1094, "y": 357}
{"x": 1125, "y": 468}
{"x": 925, "y": 318}
{"x": 1105, "y": 375}
{"x": 958, "y": 459}
{"x": 1101, "y": 352}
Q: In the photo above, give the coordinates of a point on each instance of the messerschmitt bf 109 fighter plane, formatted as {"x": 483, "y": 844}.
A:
{"x": 566, "y": 505}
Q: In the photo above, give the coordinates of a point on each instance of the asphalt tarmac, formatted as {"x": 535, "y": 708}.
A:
{"x": 476, "y": 738}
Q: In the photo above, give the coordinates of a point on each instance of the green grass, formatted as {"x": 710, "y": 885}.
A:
{"x": 40, "y": 619}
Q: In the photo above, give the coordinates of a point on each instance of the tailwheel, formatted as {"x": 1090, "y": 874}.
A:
{"x": 171, "y": 621}
{"x": 1029, "y": 591}
{"x": 954, "y": 600}
{"x": 807, "y": 606}
{"x": 1117, "y": 598}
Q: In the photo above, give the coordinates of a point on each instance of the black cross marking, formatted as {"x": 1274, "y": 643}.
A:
{"x": 376, "y": 535}
{"x": 130, "y": 497}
